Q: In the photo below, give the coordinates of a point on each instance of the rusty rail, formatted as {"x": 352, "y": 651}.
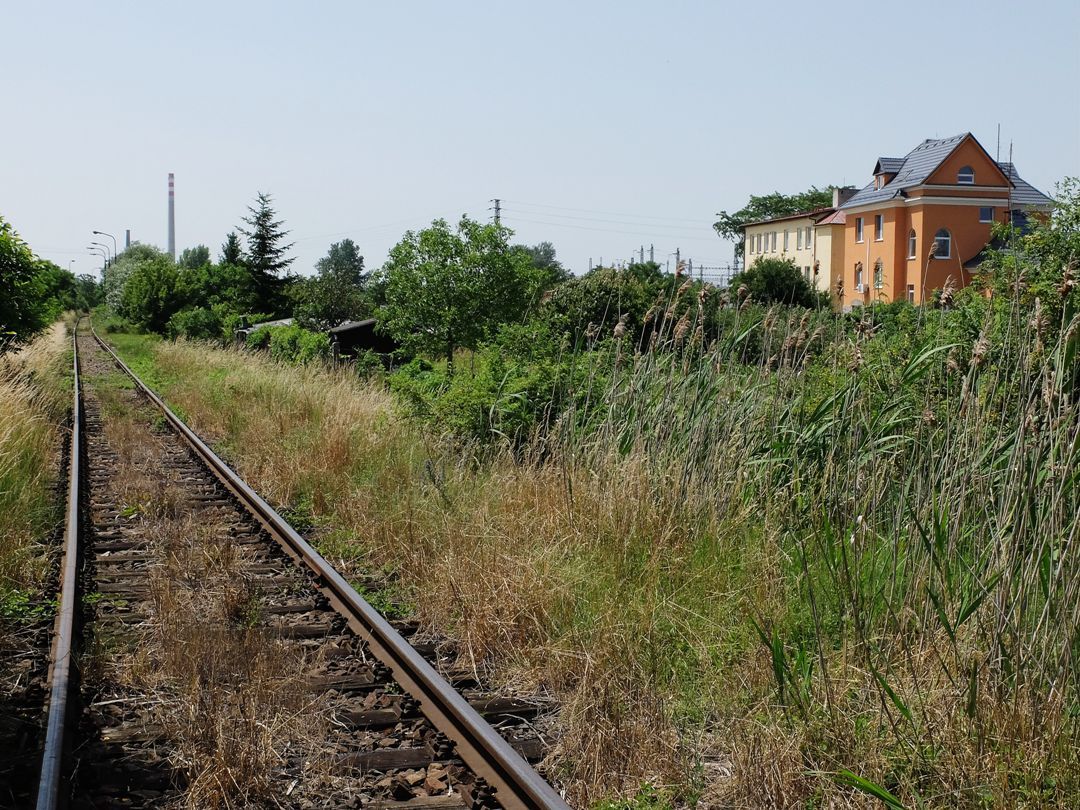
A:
{"x": 60, "y": 667}
{"x": 513, "y": 781}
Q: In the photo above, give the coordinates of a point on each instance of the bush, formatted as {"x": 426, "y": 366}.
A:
{"x": 291, "y": 344}
{"x": 259, "y": 340}
{"x": 198, "y": 324}
{"x": 776, "y": 281}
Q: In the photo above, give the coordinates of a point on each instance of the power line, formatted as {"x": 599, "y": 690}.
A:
{"x": 516, "y": 218}
{"x": 697, "y": 227}
{"x": 609, "y": 213}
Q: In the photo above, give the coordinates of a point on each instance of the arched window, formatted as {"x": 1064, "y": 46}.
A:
{"x": 942, "y": 244}
{"x": 879, "y": 275}
{"x": 911, "y": 244}
{"x": 966, "y": 176}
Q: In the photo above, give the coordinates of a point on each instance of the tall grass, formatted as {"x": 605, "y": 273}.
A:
{"x": 34, "y": 397}
{"x": 788, "y": 565}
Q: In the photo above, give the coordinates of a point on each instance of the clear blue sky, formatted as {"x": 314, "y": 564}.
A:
{"x": 365, "y": 119}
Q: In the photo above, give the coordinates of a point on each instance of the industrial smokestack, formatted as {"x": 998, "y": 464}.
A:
{"x": 172, "y": 219}
{"x": 127, "y": 238}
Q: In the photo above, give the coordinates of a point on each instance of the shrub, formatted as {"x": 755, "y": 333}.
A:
{"x": 198, "y": 324}
{"x": 776, "y": 281}
{"x": 259, "y": 339}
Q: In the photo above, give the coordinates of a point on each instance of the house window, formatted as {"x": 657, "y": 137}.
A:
{"x": 966, "y": 176}
{"x": 986, "y": 214}
{"x": 911, "y": 244}
{"x": 879, "y": 227}
{"x": 798, "y": 239}
{"x": 943, "y": 244}
{"x": 911, "y": 293}
{"x": 786, "y": 242}
{"x": 774, "y": 241}
{"x": 808, "y": 239}
{"x": 858, "y": 276}
{"x": 806, "y": 272}
{"x": 858, "y": 229}
{"x": 879, "y": 275}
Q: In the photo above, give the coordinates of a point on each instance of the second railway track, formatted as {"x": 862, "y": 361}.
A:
{"x": 223, "y": 661}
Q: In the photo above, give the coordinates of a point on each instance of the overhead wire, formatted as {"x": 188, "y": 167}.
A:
{"x": 608, "y": 213}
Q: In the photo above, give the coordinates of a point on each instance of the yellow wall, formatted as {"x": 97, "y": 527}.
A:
{"x": 803, "y": 257}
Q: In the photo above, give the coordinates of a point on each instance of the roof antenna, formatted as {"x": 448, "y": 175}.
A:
{"x": 997, "y": 154}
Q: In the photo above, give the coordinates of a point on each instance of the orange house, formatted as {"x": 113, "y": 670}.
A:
{"x": 925, "y": 218}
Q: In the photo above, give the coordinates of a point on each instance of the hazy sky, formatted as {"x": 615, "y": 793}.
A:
{"x": 602, "y": 126}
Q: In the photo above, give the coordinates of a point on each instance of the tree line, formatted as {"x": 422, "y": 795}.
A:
{"x": 34, "y": 291}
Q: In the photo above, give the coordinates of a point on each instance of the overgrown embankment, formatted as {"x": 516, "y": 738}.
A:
{"x": 808, "y": 560}
{"x": 34, "y": 400}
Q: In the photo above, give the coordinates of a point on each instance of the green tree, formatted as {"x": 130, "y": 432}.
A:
{"x": 447, "y": 289}
{"x": 149, "y": 298}
{"x": 88, "y": 292}
{"x": 266, "y": 252}
{"x": 336, "y": 293}
{"x": 730, "y": 226}
{"x": 550, "y": 268}
{"x": 25, "y": 307}
{"x": 775, "y": 281}
{"x": 194, "y": 257}
{"x": 232, "y": 252}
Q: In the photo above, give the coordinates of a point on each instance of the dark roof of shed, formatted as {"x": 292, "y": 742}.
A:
{"x": 348, "y": 326}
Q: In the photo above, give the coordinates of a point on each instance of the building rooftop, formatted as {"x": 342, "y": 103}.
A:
{"x": 921, "y": 162}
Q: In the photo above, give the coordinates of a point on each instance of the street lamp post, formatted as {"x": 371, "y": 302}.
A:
{"x": 115, "y": 253}
{"x": 98, "y": 251}
{"x": 110, "y": 258}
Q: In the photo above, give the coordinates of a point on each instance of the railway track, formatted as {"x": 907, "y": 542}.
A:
{"x": 204, "y": 653}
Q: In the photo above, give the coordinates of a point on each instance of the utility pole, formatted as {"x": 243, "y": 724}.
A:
{"x": 498, "y": 209}
{"x": 651, "y": 253}
{"x": 678, "y": 265}
{"x": 641, "y": 255}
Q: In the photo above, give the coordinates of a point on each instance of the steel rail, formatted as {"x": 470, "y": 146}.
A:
{"x": 516, "y": 784}
{"x": 60, "y": 668}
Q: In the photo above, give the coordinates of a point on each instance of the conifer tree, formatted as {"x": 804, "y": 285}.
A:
{"x": 231, "y": 251}
{"x": 266, "y": 255}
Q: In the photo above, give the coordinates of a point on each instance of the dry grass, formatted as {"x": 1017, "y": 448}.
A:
{"x": 33, "y": 403}
{"x": 231, "y": 699}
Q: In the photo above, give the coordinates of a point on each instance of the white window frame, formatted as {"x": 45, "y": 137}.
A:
{"x": 798, "y": 239}
{"x": 911, "y": 293}
{"x": 809, "y": 238}
{"x": 966, "y": 176}
{"x": 858, "y": 229}
{"x": 773, "y": 242}
{"x": 858, "y": 277}
{"x": 989, "y": 208}
{"x": 879, "y": 275}
{"x": 948, "y": 244}
{"x": 879, "y": 227}
{"x": 912, "y": 244}
{"x": 787, "y": 244}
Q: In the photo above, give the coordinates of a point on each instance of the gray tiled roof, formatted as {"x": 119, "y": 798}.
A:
{"x": 917, "y": 165}
{"x": 921, "y": 162}
{"x": 1023, "y": 192}
{"x": 886, "y": 165}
